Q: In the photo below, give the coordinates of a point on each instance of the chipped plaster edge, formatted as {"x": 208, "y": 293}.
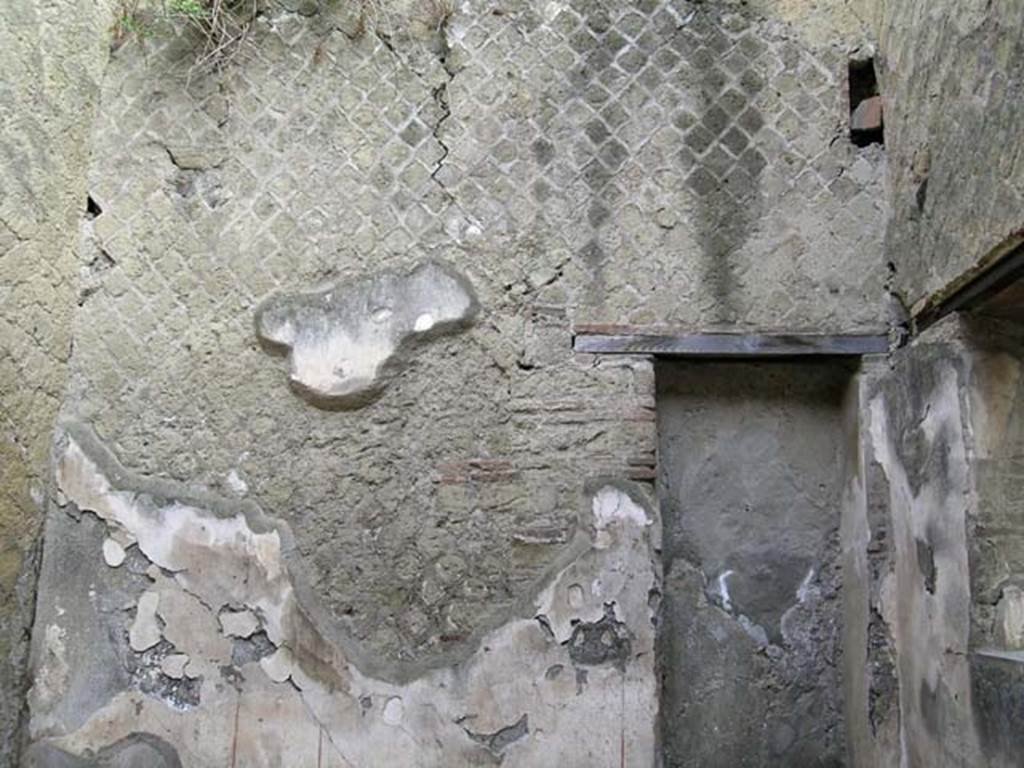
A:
{"x": 390, "y": 366}
{"x": 306, "y": 601}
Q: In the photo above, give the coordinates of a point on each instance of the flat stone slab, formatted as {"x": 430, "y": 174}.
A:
{"x": 345, "y": 341}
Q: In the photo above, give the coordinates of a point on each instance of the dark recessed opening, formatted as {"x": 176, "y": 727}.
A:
{"x": 92, "y": 208}
{"x": 866, "y": 123}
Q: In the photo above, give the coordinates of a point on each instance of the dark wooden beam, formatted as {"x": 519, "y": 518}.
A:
{"x": 604, "y": 341}
{"x": 981, "y": 288}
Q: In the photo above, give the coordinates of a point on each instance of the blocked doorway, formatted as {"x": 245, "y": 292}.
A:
{"x": 751, "y": 470}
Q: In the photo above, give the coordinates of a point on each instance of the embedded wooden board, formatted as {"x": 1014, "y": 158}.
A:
{"x": 727, "y": 344}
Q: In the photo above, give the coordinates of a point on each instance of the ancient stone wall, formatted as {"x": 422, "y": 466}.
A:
{"x": 952, "y": 76}
{"x": 996, "y": 555}
{"x": 930, "y": 551}
{"x": 328, "y": 465}
{"x": 52, "y": 56}
{"x": 331, "y": 486}
{"x": 916, "y": 428}
{"x": 935, "y": 557}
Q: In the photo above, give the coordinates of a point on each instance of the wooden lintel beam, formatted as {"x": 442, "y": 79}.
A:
{"x": 752, "y": 345}
{"x": 1002, "y": 268}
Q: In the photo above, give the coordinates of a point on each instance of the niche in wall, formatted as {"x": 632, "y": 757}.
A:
{"x": 866, "y": 118}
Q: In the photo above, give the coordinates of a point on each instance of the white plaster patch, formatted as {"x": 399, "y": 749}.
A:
{"x": 340, "y": 349}
{"x": 174, "y": 665}
{"x": 236, "y": 483}
{"x": 278, "y": 665}
{"x": 113, "y": 553}
{"x": 723, "y": 589}
{"x": 145, "y": 630}
{"x": 238, "y": 623}
{"x": 394, "y": 711}
{"x": 192, "y": 628}
{"x": 611, "y": 505}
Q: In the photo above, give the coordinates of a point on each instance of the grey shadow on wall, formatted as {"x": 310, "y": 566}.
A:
{"x": 719, "y": 147}
{"x": 345, "y": 342}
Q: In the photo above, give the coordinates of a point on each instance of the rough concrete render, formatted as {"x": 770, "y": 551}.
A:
{"x": 298, "y": 464}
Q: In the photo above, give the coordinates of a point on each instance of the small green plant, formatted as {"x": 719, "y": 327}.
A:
{"x": 222, "y": 26}
{"x": 128, "y": 23}
{"x": 189, "y": 9}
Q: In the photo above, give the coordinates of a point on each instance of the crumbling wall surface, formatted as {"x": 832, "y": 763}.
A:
{"x": 52, "y": 57}
{"x": 942, "y": 427}
{"x": 323, "y": 398}
{"x": 355, "y": 441}
{"x": 916, "y": 424}
{"x": 870, "y": 680}
{"x": 952, "y": 78}
{"x": 184, "y": 622}
{"x": 750, "y": 480}
{"x": 263, "y": 312}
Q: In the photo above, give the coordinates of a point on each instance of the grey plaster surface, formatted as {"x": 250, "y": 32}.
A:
{"x": 951, "y": 77}
{"x": 135, "y": 751}
{"x": 51, "y": 58}
{"x": 750, "y": 475}
{"x": 941, "y": 428}
{"x": 538, "y": 674}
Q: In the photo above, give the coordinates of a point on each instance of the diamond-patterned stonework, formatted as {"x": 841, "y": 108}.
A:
{"x": 691, "y": 160}
{"x": 587, "y": 162}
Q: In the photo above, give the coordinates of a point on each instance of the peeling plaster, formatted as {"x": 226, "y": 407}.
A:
{"x": 145, "y": 631}
{"x": 113, "y": 553}
{"x": 238, "y": 623}
{"x": 500, "y": 703}
{"x": 51, "y": 678}
{"x": 928, "y": 616}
